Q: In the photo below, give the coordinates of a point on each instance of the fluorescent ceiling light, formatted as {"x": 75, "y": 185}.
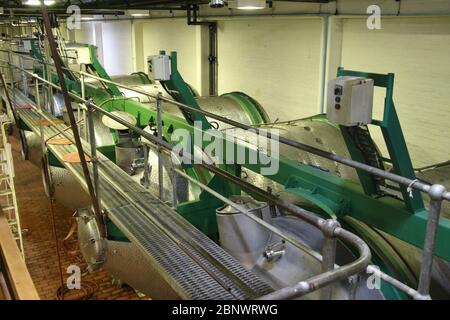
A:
{"x": 247, "y": 4}
{"x": 138, "y": 13}
{"x": 87, "y": 18}
{"x": 38, "y": 2}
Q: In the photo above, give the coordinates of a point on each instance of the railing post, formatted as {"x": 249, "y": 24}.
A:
{"x": 173, "y": 174}
{"x": 328, "y": 254}
{"x": 83, "y": 112}
{"x": 94, "y": 158}
{"x": 145, "y": 181}
{"x": 436, "y": 192}
{"x": 37, "y": 94}
{"x": 160, "y": 136}
{"x": 11, "y": 80}
{"x": 353, "y": 282}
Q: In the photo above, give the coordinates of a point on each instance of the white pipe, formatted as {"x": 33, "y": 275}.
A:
{"x": 323, "y": 62}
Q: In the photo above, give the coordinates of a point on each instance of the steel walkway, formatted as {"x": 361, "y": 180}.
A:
{"x": 193, "y": 265}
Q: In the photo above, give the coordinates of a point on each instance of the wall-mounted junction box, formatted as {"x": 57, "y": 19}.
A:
{"x": 84, "y": 55}
{"x": 159, "y": 67}
{"x": 350, "y": 100}
{"x": 27, "y": 45}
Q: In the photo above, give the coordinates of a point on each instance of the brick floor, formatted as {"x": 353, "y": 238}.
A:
{"x": 39, "y": 243}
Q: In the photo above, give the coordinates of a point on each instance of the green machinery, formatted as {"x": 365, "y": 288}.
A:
{"x": 360, "y": 207}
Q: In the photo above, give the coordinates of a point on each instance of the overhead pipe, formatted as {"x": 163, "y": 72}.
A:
{"x": 192, "y": 20}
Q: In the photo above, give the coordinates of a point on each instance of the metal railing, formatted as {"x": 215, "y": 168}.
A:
{"x": 330, "y": 228}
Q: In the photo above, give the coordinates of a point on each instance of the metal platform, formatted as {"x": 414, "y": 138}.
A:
{"x": 193, "y": 265}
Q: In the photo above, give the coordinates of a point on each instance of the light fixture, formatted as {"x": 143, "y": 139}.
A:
{"x": 216, "y": 3}
{"x": 87, "y": 18}
{"x": 38, "y": 2}
{"x": 247, "y": 4}
{"x": 138, "y": 13}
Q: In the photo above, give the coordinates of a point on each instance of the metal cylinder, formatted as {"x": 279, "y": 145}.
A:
{"x": 92, "y": 245}
{"x": 241, "y": 237}
{"x": 127, "y": 154}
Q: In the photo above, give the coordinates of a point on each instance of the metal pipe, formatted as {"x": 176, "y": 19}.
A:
{"x": 328, "y": 254}
{"x": 414, "y": 184}
{"x": 94, "y": 157}
{"x": 321, "y": 280}
{"x": 145, "y": 181}
{"x": 434, "y": 211}
{"x": 323, "y": 63}
{"x": 37, "y": 97}
{"x": 160, "y": 135}
{"x": 418, "y": 185}
{"x": 394, "y": 282}
{"x": 353, "y": 285}
{"x": 173, "y": 174}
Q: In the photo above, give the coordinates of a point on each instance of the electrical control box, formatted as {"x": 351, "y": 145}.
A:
{"x": 350, "y": 100}
{"x": 159, "y": 67}
{"x": 27, "y": 45}
{"x": 84, "y": 55}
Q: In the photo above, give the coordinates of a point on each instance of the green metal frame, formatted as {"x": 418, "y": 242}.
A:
{"x": 393, "y": 137}
{"x": 97, "y": 67}
{"x": 335, "y": 196}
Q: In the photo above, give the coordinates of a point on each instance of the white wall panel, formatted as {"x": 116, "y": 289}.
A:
{"x": 117, "y": 47}
{"x": 417, "y": 51}
{"x": 276, "y": 61}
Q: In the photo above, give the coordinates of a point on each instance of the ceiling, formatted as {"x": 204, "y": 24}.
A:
{"x": 102, "y": 5}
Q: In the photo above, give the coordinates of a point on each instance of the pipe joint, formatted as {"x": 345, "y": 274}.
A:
{"x": 329, "y": 226}
{"x": 437, "y": 192}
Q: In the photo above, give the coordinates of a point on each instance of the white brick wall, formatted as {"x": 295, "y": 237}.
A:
{"x": 417, "y": 50}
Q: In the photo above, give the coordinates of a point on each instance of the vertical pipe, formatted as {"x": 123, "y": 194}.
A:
{"x": 160, "y": 135}
{"x": 323, "y": 62}
{"x": 353, "y": 286}
{"x": 145, "y": 178}
{"x": 328, "y": 254}
{"x": 83, "y": 95}
{"x": 11, "y": 80}
{"x": 435, "y": 193}
{"x": 174, "y": 186}
{"x": 48, "y": 70}
{"x": 93, "y": 152}
{"x": 23, "y": 77}
{"x": 37, "y": 95}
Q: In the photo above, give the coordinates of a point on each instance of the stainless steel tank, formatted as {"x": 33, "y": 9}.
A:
{"x": 239, "y": 235}
{"x": 276, "y": 261}
{"x": 128, "y": 155}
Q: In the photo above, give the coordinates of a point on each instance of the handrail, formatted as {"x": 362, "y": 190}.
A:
{"x": 436, "y": 192}
{"x": 336, "y": 274}
{"x": 413, "y": 184}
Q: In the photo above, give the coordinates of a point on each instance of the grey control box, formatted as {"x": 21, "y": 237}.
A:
{"x": 350, "y": 100}
{"x": 159, "y": 67}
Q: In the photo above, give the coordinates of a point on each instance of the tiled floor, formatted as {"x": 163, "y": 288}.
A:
{"x": 39, "y": 243}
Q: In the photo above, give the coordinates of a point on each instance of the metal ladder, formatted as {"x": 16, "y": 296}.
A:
{"x": 8, "y": 199}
